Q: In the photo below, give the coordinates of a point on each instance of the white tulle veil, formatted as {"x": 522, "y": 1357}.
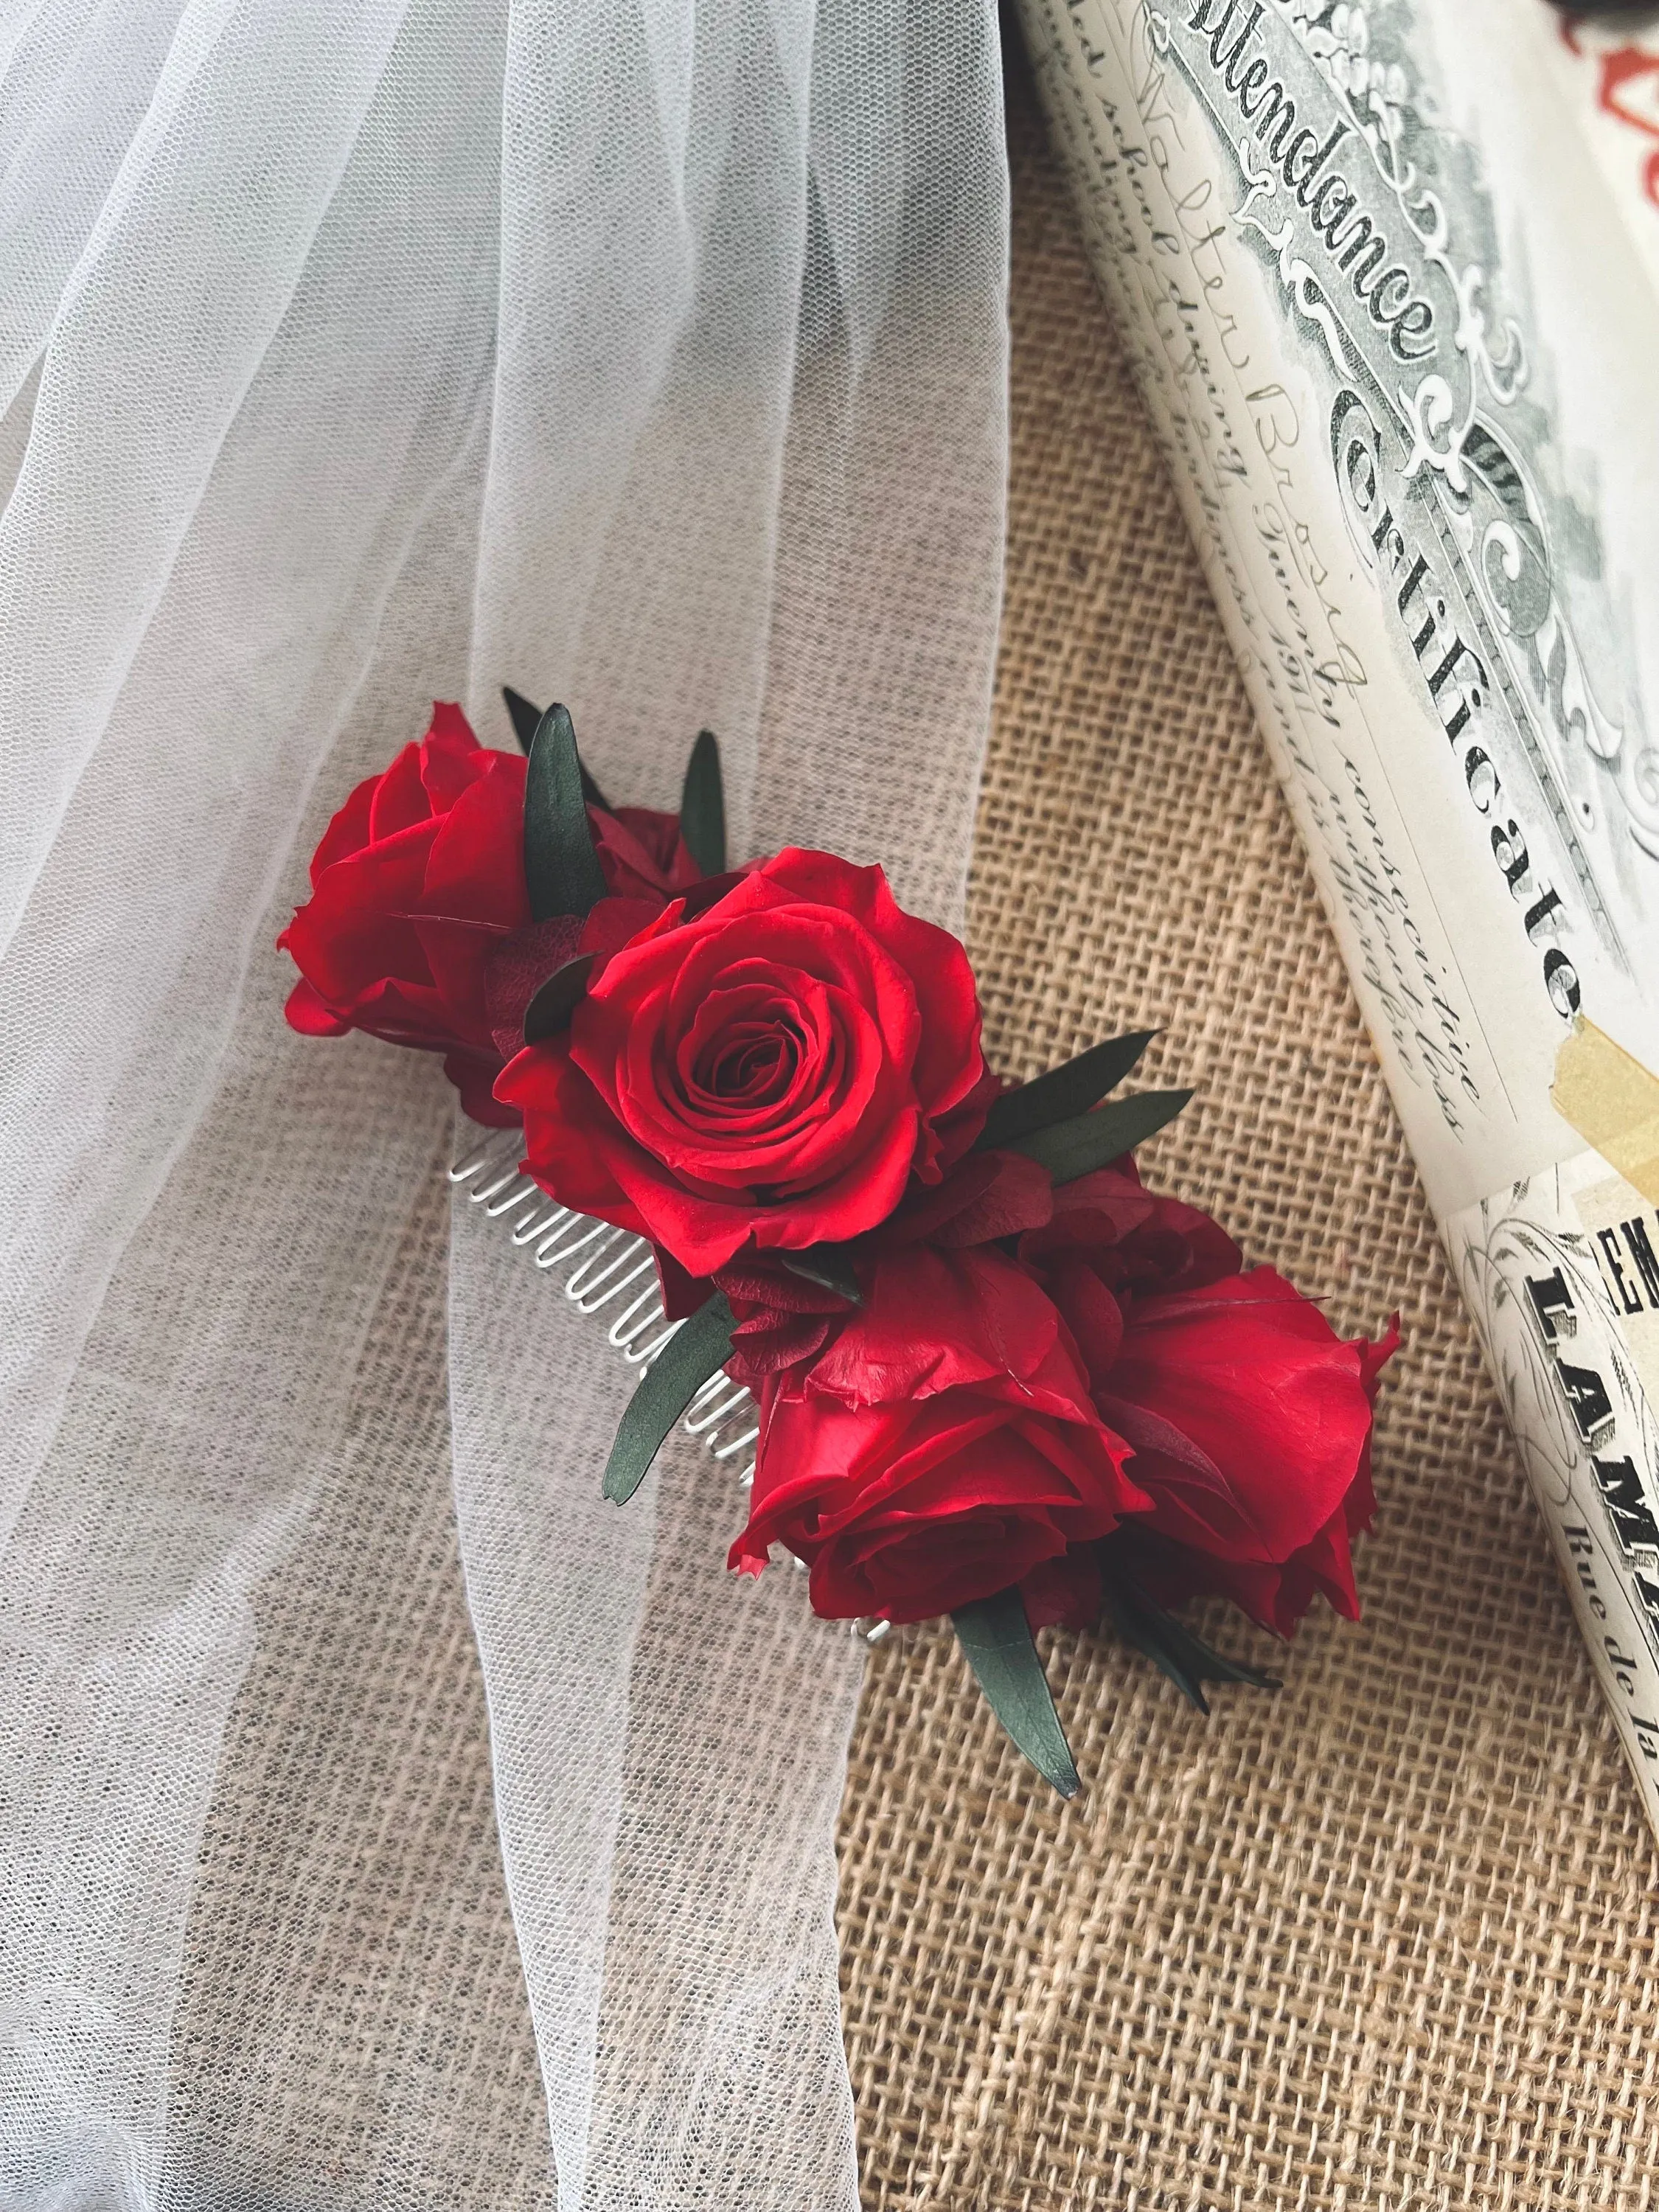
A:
{"x": 354, "y": 353}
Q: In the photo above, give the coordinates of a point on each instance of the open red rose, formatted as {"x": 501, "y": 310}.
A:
{"x": 417, "y": 889}
{"x": 1250, "y": 1418}
{"x": 941, "y": 1446}
{"x": 766, "y": 1073}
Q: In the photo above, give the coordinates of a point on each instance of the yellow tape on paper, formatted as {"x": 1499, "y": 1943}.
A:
{"x": 1613, "y": 1101}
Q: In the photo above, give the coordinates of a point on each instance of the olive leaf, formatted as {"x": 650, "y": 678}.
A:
{"x": 554, "y": 1000}
{"x": 1185, "y": 1657}
{"x": 996, "y": 1640}
{"x": 698, "y": 1349}
{"x": 562, "y": 869}
{"x": 1064, "y": 1091}
{"x": 702, "y": 807}
{"x": 1091, "y": 1140}
{"x": 524, "y": 717}
{"x": 829, "y": 1266}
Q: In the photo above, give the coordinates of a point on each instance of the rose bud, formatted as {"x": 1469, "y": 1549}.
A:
{"x": 418, "y": 885}
{"x": 940, "y": 1446}
{"x": 1250, "y": 1418}
{"x": 763, "y": 1073}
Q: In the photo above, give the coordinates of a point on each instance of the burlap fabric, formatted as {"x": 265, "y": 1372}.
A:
{"x": 1384, "y": 1941}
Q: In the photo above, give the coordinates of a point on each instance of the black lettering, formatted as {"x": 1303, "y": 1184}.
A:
{"x": 1593, "y": 1597}
{"x": 1360, "y": 239}
{"x": 1456, "y": 653}
{"x": 1481, "y": 777}
{"x": 1305, "y": 141}
{"x": 1510, "y": 851}
{"x": 1226, "y": 65}
{"x": 1256, "y": 74}
{"x": 1636, "y": 1236}
{"x": 1561, "y": 981}
{"x": 1325, "y": 219}
{"x": 1468, "y": 694}
{"x": 1357, "y": 454}
{"x": 1591, "y": 1408}
{"x": 1414, "y": 321}
{"x": 1537, "y": 915}
{"x": 1622, "y": 1668}
{"x": 1580, "y": 1551}
{"x": 1626, "y": 1503}
{"x": 1381, "y": 314}
{"x": 1394, "y": 551}
{"x": 1304, "y": 182}
{"x": 1419, "y": 569}
{"x": 1275, "y": 106}
{"x": 1552, "y": 1301}
{"x": 1627, "y": 1294}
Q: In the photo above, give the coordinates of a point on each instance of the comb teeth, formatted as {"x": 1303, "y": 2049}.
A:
{"x": 605, "y": 1265}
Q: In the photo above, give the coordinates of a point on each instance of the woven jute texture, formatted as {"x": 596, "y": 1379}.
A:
{"x": 1383, "y": 1941}
{"x": 354, "y": 2016}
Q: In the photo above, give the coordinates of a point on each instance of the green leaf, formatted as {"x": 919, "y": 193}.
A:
{"x": 1087, "y": 1141}
{"x": 1184, "y": 1657}
{"x": 996, "y": 1639}
{"x": 555, "y": 1001}
{"x": 697, "y": 1351}
{"x": 524, "y": 717}
{"x": 562, "y": 869}
{"x": 829, "y": 1266}
{"x": 1064, "y": 1091}
{"x": 702, "y": 805}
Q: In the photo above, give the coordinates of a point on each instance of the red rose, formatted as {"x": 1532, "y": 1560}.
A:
{"x": 767, "y": 1072}
{"x": 783, "y": 1320}
{"x": 642, "y": 853}
{"x": 940, "y": 1447}
{"x": 1250, "y": 1418}
{"x": 418, "y": 890}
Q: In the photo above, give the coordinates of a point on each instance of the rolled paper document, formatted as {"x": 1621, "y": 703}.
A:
{"x": 1390, "y": 277}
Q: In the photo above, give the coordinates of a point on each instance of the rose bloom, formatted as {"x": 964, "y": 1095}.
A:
{"x": 1249, "y": 1418}
{"x": 783, "y": 1318}
{"x": 418, "y": 906}
{"x": 940, "y": 1447}
{"x": 762, "y": 1072}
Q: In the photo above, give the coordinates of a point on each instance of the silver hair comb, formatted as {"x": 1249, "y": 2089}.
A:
{"x": 606, "y": 1267}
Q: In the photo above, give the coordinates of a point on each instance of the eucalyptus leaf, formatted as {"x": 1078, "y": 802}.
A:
{"x": 550, "y": 1010}
{"x": 996, "y": 1640}
{"x": 1091, "y": 1140}
{"x": 829, "y": 1266}
{"x": 702, "y": 805}
{"x": 1186, "y": 1658}
{"x": 562, "y": 869}
{"x": 524, "y": 717}
{"x": 695, "y": 1351}
{"x": 1064, "y": 1091}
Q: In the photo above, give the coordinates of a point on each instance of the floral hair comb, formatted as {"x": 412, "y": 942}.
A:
{"x": 984, "y": 1371}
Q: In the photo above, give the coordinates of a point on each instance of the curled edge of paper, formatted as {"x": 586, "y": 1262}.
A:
{"x": 1613, "y": 1101}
